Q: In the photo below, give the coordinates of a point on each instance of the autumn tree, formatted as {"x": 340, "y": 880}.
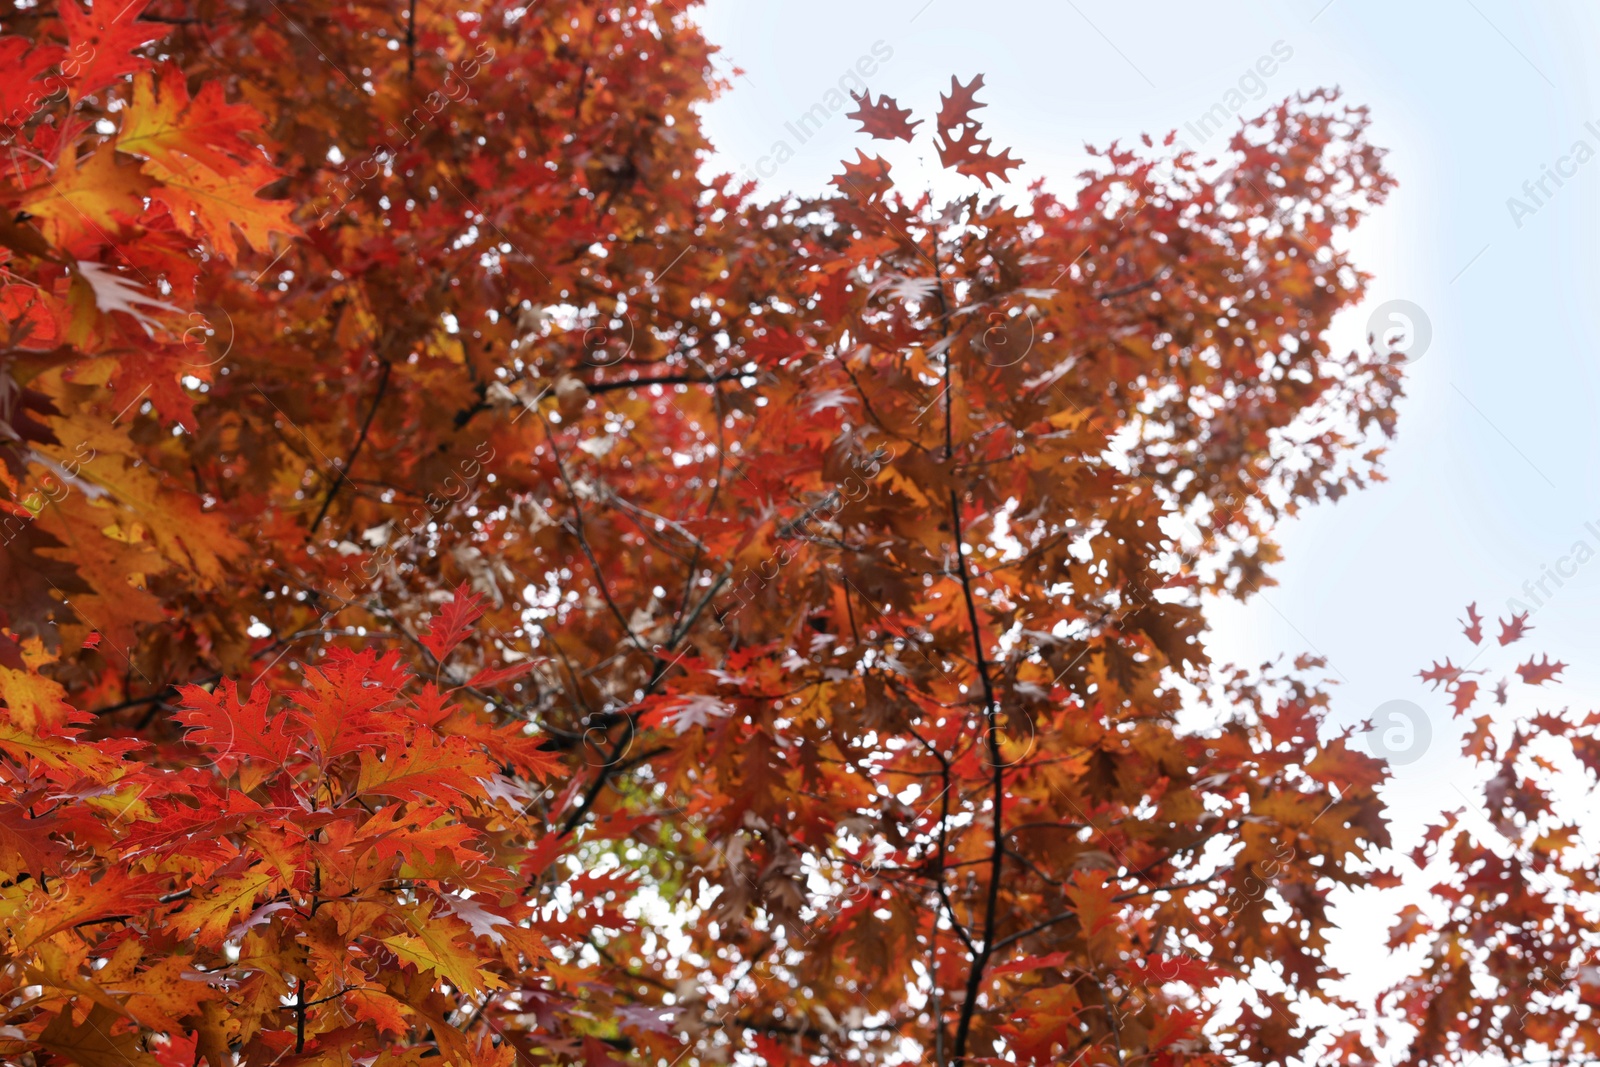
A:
{"x": 1506, "y": 940}
{"x": 478, "y": 586}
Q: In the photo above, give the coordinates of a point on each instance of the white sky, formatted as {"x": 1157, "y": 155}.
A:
{"x": 1492, "y": 476}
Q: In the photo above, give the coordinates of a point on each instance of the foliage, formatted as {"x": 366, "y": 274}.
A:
{"x": 790, "y": 606}
{"x": 332, "y": 875}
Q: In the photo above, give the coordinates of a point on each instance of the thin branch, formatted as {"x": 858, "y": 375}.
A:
{"x": 620, "y": 747}
{"x": 361, "y": 439}
{"x": 665, "y": 379}
{"x": 411, "y": 42}
{"x": 1011, "y": 939}
{"x": 578, "y": 530}
{"x": 980, "y": 962}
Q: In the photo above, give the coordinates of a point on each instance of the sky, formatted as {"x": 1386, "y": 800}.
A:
{"x": 1490, "y": 481}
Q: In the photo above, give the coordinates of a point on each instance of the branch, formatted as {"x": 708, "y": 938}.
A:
{"x": 975, "y": 975}
{"x": 665, "y": 379}
{"x": 411, "y": 42}
{"x": 1111, "y": 1017}
{"x": 1128, "y": 290}
{"x": 160, "y": 695}
{"x": 1012, "y": 939}
{"x": 944, "y": 818}
{"x": 361, "y": 439}
{"x": 619, "y": 749}
{"x": 980, "y": 962}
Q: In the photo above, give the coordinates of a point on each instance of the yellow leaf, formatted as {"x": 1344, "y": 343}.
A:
{"x": 55, "y": 751}
{"x": 34, "y": 700}
{"x": 180, "y": 530}
{"x": 88, "y": 201}
{"x": 432, "y": 948}
{"x": 124, "y": 805}
{"x": 52, "y": 967}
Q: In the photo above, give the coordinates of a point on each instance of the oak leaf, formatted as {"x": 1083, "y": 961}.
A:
{"x": 1514, "y": 629}
{"x": 1536, "y": 672}
{"x": 453, "y": 622}
{"x": 103, "y": 1039}
{"x": 885, "y": 120}
{"x": 206, "y": 204}
{"x": 101, "y": 39}
{"x": 164, "y": 125}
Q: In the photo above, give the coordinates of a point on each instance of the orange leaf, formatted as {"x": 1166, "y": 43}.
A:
{"x": 165, "y": 126}
{"x": 85, "y": 203}
{"x": 101, "y": 1040}
{"x": 1091, "y": 894}
{"x": 426, "y": 768}
{"x": 203, "y": 202}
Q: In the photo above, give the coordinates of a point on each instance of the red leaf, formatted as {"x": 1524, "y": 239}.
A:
{"x": 961, "y": 145}
{"x": 866, "y": 179}
{"x": 493, "y": 676}
{"x": 1158, "y": 970}
{"x": 1441, "y": 673}
{"x": 1473, "y": 627}
{"x": 1515, "y": 629}
{"x": 883, "y": 121}
{"x": 967, "y": 152}
{"x": 1536, "y": 673}
{"x": 1032, "y": 963}
{"x": 232, "y": 728}
{"x": 340, "y": 702}
{"x": 106, "y": 34}
{"x": 957, "y": 106}
{"x": 1465, "y": 693}
{"x": 454, "y": 621}
{"x": 24, "y": 63}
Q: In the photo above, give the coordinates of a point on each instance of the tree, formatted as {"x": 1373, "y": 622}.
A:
{"x": 786, "y": 608}
{"x": 1507, "y": 940}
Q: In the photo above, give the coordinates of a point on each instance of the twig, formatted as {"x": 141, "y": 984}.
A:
{"x": 665, "y": 379}
{"x": 361, "y": 439}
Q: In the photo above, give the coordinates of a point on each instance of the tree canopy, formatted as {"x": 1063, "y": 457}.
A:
{"x": 479, "y": 587}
